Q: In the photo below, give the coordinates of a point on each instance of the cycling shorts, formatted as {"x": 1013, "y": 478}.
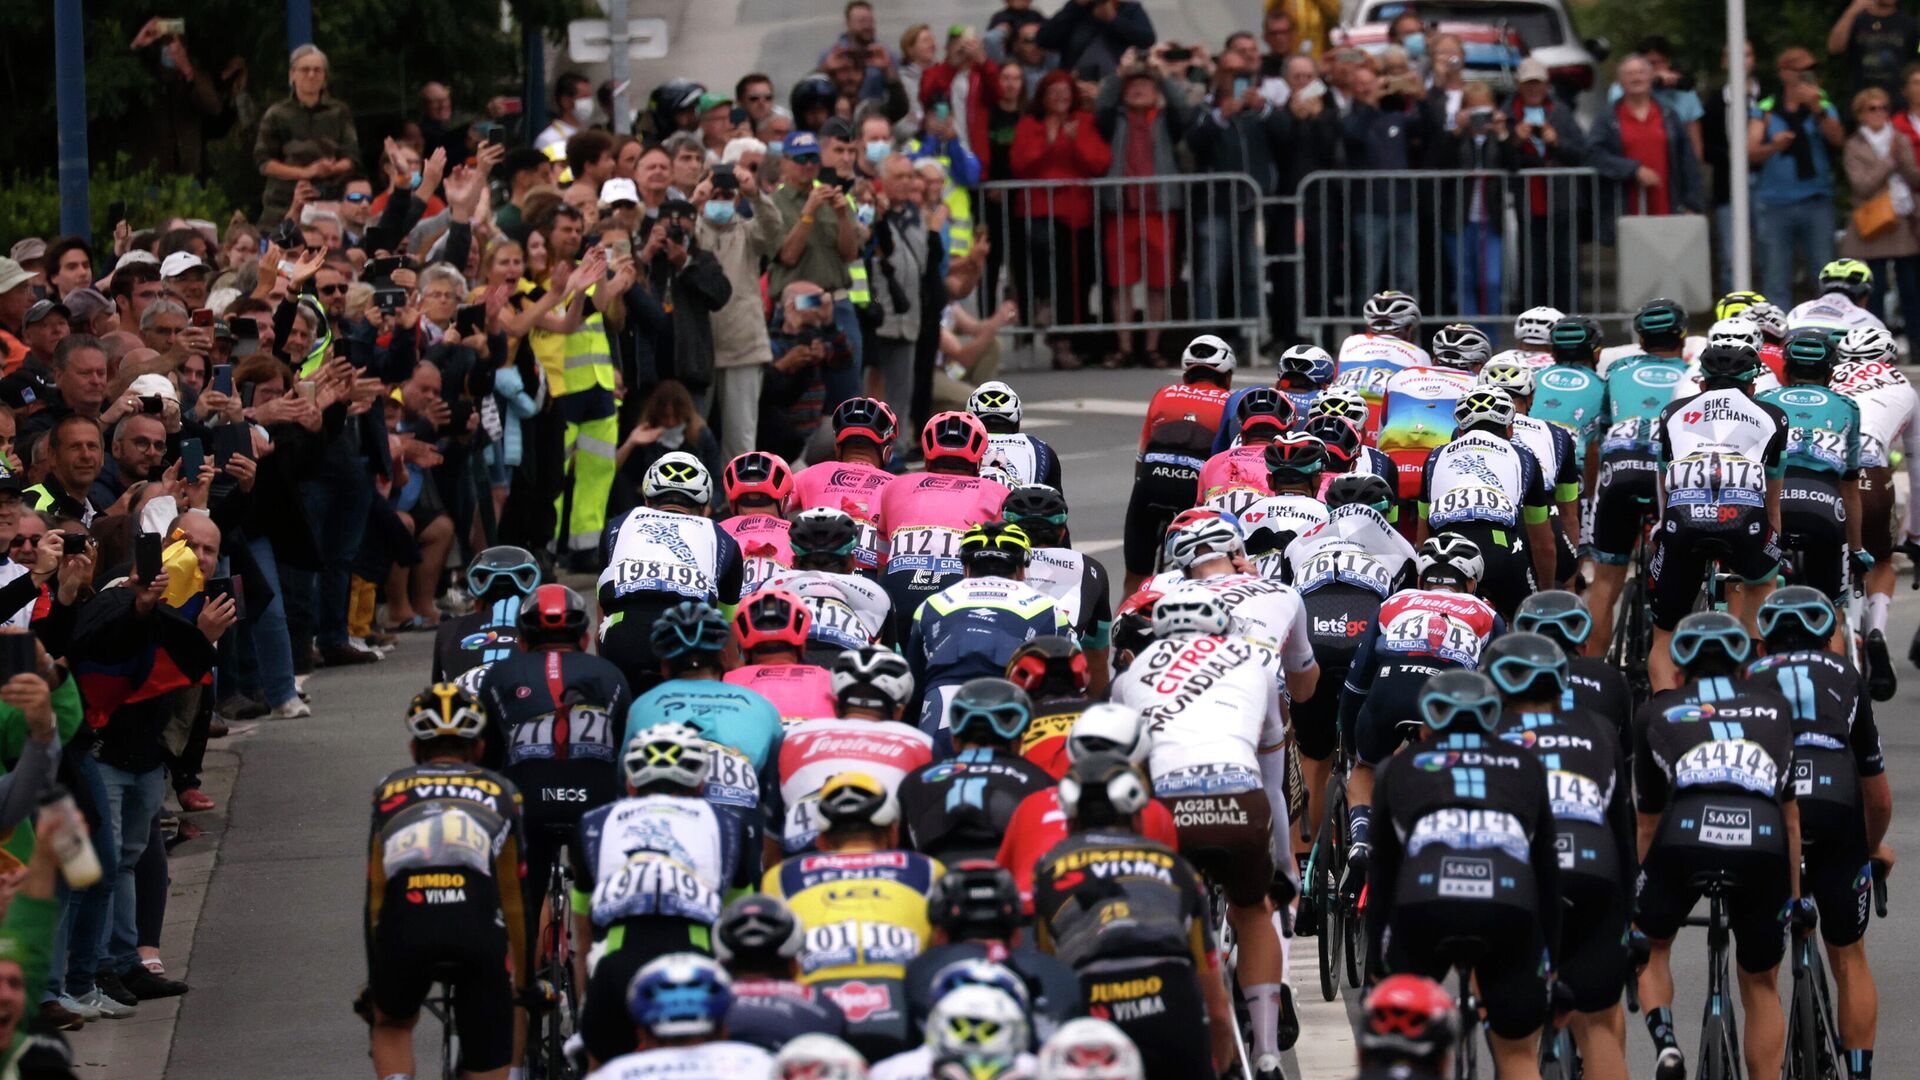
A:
{"x": 1161, "y": 489}
{"x": 1833, "y": 843}
{"x": 1509, "y": 955}
{"x": 1566, "y": 562}
{"x": 1876, "y": 513}
{"x": 628, "y": 644}
{"x": 1683, "y": 850}
{"x": 1226, "y": 836}
{"x": 907, "y": 590}
{"x": 630, "y": 945}
{"x": 444, "y": 926}
{"x": 1593, "y": 955}
{"x": 1508, "y": 578}
{"x": 1814, "y": 520}
{"x": 1159, "y": 1005}
{"x": 1683, "y": 545}
{"x": 1623, "y": 497}
{"x": 1316, "y": 721}
{"x": 1393, "y": 699}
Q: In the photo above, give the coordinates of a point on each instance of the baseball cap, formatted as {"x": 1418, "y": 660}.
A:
{"x": 181, "y": 262}
{"x": 84, "y": 304}
{"x": 619, "y": 190}
{"x": 713, "y": 101}
{"x": 26, "y": 387}
{"x": 13, "y": 275}
{"x": 43, "y": 308}
{"x": 151, "y": 385}
{"x": 136, "y": 256}
{"x": 1532, "y": 70}
{"x": 26, "y": 251}
{"x": 802, "y": 144}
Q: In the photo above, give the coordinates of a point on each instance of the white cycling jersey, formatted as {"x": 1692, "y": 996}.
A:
{"x": 1353, "y": 528}
{"x": 1061, "y": 573}
{"x": 1267, "y": 611}
{"x": 1833, "y": 311}
{"x": 655, "y": 551}
{"x": 654, "y": 855}
{"x": 1209, "y": 701}
{"x": 1889, "y": 417}
{"x": 707, "y": 1061}
{"x": 1297, "y": 514}
{"x": 849, "y": 610}
{"x": 1020, "y": 455}
{"x": 1726, "y": 421}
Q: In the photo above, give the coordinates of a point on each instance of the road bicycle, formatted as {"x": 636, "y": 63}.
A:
{"x": 1719, "y": 1057}
{"x": 554, "y": 977}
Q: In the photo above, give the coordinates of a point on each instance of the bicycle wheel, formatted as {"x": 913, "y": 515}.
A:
{"x": 1802, "y": 1056}
{"x": 449, "y": 1041}
{"x": 1358, "y": 947}
{"x": 563, "y": 1019}
{"x": 1830, "y": 1059}
{"x": 1466, "y": 1053}
{"x": 1327, "y": 919}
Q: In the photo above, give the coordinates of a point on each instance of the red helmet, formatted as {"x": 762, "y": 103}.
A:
{"x": 1408, "y": 1018}
{"x": 1266, "y": 425}
{"x": 1189, "y": 516}
{"x": 772, "y": 617}
{"x": 554, "y": 614}
{"x": 756, "y": 473}
{"x": 954, "y": 434}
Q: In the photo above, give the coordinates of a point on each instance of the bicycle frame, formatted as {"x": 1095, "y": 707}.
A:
{"x": 1719, "y": 1033}
{"x": 1813, "y": 1050}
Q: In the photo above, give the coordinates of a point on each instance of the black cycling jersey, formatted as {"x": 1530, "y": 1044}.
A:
{"x": 959, "y": 808}
{"x": 1603, "y": 690}
{"x": 1052, "y": 987}
{"x": 1587, "y": 787}
{"x": 464, "y": 642}
{"x": 769, "y": 1013}
{"x": 555, "y": 724}
{"x": 1113, "y": 895}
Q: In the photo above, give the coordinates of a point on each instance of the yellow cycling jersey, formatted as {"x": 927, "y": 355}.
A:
{"x": 865, "y": 913}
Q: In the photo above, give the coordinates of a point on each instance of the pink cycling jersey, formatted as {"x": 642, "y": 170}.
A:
{"x": 849, "y": 486}
{"x": 922, "y": 516}
{"x": 764, "y": 548}
{"x": 1240, "y": 467}
{"x": 798, "y": 691}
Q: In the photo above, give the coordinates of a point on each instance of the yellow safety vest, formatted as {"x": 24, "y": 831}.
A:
{"x": 859, "y": 292}
{"x": 959, "y": 222}
{"x": 322, "y": 342}
{"x": 588, "y": 360}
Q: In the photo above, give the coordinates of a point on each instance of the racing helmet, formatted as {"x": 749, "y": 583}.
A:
{"x": 1049, "y": 663}
{"x": 671, "y": 755}
{"x": 690, "y": 632}
{"x": 977, "y": 972}
{"x": 1461, "y": 345}
{"x": 1459, "y": 702}
{"x": 1296, "y": 457}
{"x": 1731, "y": 363}
{"x": 1338, "y": 436}
{"x": 1660, "y": 323}
{"x": 678, "y": 477}
{"x": 974, "y": 893}
{"x": 1796, "y": 616}
{"x": 445, "y": 710}
{"x": 1449, "y": 558}
{"x": 671, "y": 98}
{"x": 810, "y": 93}
{"x": 503, "y": 571}
{"x": 1737, "y": 302}
{"x": 1810, "y": 352}
{"x": 1556, "y": 614}
{"x": 1264, "y": 401}
{"x": 1737, "y": 332}
{"x": 1408, "y": 1018}
{"x": 1306, "y": 367}
{"x": 1534, "y": 326}
{"x": 989, "y": 709}
{"x": 954, "y": 435}
{"x": 1773, "y": 321}
{"x": 1363, "y": 488}
{"x": 1191, "y": 611}
{"x": 1849, "y": 276}
{"x": 997, "y": 406}
{"x": 981, "y": 1029}
{"x": 872, "y": 677}
{"x": 1575, "y": 340}
{"x": 1342, "y": 401}
{"x": 1133, "y": 622}
{"x": 759, "y": 927}
{"x": 814, "y": 1056}
{"x": 1483, "y": 406}
{"x": 772, "y": 617}
{"x": 866, "y": 418}
{"x": 1039, "y": 509}
{"x": 1104, "y": 786}
{"x": 823, "y": 532}
{"x": 1109, "y": 728}
{"x": 995, "y": 546}
{"x": 1865, "y": 344}
{"x": 1392, "y": 313}
{"x": 757, "y": 473}
{"x": 1208, "y": 351}
{"x": 1203, "y": 540}
{"x": 1526, "y": 667}
{"x": 680, "y": 994}
{"x": 1507, "y": 374}
{"x": 554, "y": 615}
{"x": 857, "y": 799}
{"x": 1709, "y": 632}
{"x": 1089, "y": 1048}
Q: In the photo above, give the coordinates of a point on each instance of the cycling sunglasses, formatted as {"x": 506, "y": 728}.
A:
{"x": 526, "y": 578}
{"x": 1513, "y": 674}
{"x": 1007, "y": 719}
{"x": 1573, "y": 624}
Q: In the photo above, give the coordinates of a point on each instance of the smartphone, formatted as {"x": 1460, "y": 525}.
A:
{"x": 146, "y": 556}
{"x": 117, "y": 211}
{"x": 381, "y": 269}
{"x": 74, "y": 543}
{"x": 246, "y": 395}
{"x": 619, "y": 243}
{"x": 200, "y": 317}
{"x": 1178, "y": 54}
{"x": 232, "y": 439}
{"x": 488, "y": 131}
{"x": 307, "y": 389}
{"x": 192, "y": 457}
{"x": 736, "y": 116}
{"x": 1314, "y": 89}
{"x": 1534, "y": 114}
{"x": 459, "y": 415}
{"x": 216, "y": 588}
{"x": 1479, "y": 120}
{"x": 389, "y": 299}
{"x": 471, "y": 319}
{"x": 17, "y": 655}
{"x": 1241, "y": 86}
{"x": 172, "y": 27}
{"x": 223, "y": 376}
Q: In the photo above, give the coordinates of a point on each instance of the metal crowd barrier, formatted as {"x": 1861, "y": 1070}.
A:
{"x": 1155, "y": 253}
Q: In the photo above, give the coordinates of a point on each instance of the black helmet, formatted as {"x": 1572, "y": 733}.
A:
{"x": 1526, "y": 667}
{"x": 974, "y": 894}
{"x": 668, "y": 100}
{"x": 1556, "y": 614}
{"x": 1363, "y": 488}
{"x": 1338, "y": 435}
{"x": 995, "y": 544}
{"x": 1460, "y": 701}
{"x": 759, "y": 929}
{"x": 1660, "y": 323}
{"x": 1050, "y": 664}
{"x": 1797, "y": 616}
{"x": 1264, "y": 401}
{"x": 1809, "y": 353}
{"x": 1710, "y": 633}
{"x": 1729, "y": 363}
{"x": 1296, "y": 456}
{"x": 501, "y": 572}
{"x": 864, "y": 417}
{"x": 989, "y": 710}
{"x": 1040, "y": 511}
{"x": 816, "y": 91}
{"x": 825, "y": 533}
{"x": 553, "y": 615}
{"x": 1575, "y": 339}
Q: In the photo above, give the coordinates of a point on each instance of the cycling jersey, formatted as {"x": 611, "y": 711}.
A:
{"x": 1832, "y": 311}
{"x": 1175, "y": 439}
{"x": 1078, "y": 587}
{"x": 1025, "y": 458}
{"x": 850, "y": 486}
{"x": 1587, "y": 787}
{"x": 743, "y": 726}
{"x": 1242, "y": 468}
{"x": 1417, "y": 418}
{"x": 654, "y": 855}
{"x": 724, "y": 1060}
{"x": 1210, "y": 702}
{"x": 1636, "y": 391}
{"x": 1602, "y": 690}
{"x": 1482, "y": 479}
{"x": 922, "y": 517}
{"x": 1370, "y": 462}
{"x": 1112, "y": 895}
{"x": 1570, "y": 396}
{"x": 1553, "y": 448}
{"x": 764, "y": 548}
{"x": 813, "y": 751}
{"x": 1342, "y": 592}
{"x": 1284, "y": 518}
{"x": 656, "y": 554}
{"x": 959, "y": 808}
{"x": 1352, "y": 528}
{"x": 1367, "y": 362}
{"x": 1039, "y": 823}
{"x": 486, "y": 634}
{"x": 970, "y": 629}
{"x": 555, "y": 725}
{"x": 1302, "y": 400}
{"x": 769, "y": 1013}
{"x": 797, "y": 691}
{"x": 848, "y": 610}
{"x": 1182, "y": 419}
{"x": 1725, "y": 421}
{"x": 1045, "y": 741}
{"x": 1417, "y": 634}
{"x": 1889, "y": 406}
{"x": 865, "y": 912}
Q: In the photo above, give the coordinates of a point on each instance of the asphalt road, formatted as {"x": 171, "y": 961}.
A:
{"x": 278, "y": 952}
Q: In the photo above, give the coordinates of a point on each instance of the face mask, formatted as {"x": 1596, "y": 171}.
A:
{"x": 582, "y": 110}
{"x": 864, "y": 215}
{"x": 1415, "y": 44}
{"x": 158, "y": 514}
{"x": 877, "y": 151}
{"x": 717, "y": 211}
{"x": 414, "y": 180}
{"x": 673, "y": 438}
{"x": 777, "y": 148}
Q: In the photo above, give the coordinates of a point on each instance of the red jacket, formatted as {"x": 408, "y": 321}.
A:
{"x": 936, "y": 85}
{"x": 1081, "y": 156}
{"x": 1903, "y": 120}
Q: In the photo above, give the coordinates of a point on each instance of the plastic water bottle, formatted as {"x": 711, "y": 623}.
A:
{"x": 78, "y": 862}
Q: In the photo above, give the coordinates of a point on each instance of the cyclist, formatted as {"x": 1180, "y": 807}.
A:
{"x": 658, "y": 554}
{"x": 1408, "y": 1028}
{"x": 1659, "y": 330}
{"x": 678, "y": 1005}
{"x": 863, "y": 901}
{"x": 1304, "y": 371}
{"x": 1465, "y": 854}
{"x": 1264, "y": 415}
{"x": 1342, "y": 591}
{"x": 863, "y": 433}
{"x": 1889, "y": 420}
{"x": 1417, "y": 414}
{"x": 1052, "y": 669}
{"x": 848, "y": 610}
{"x": 1820, "y": 493}
{"x": 1713, "y": 783}
{"x": 757, "y": 940}
{"x": 648, "y": 874}
{"x": 1210, "y": 555}
{"x": 1359, "y": 518}
{"x": 1840, "y": 784}
{"x": 1127, "y": 913}
{"x": 1435, "y": 627}
{"x": 557, "y": 712}
{"x": 1219, "y": 757}
{"x": 757, "y": 486}
{"x": 1090, "y": 1048}
{"x": 1027, "y": 459}
{"x": 443, "y": 899}
{"x": 1593, "y": 684}
{"x": 1567, "y": 392}
{"x": 959, "y": 807}
{"x": 1485, "y": 486}
{"x": 922, "y": 515}
{"x": 501, "y": 578}
{"x": 819, "y": 1057}
{"x": 1077, "y": 584}
{"x": 1722, "y": 452}
{"x": 1626, "y": 477}
{"x": 743, "y": 727}
{"x": 973, "y": 1031}
{"x": 1553, "y": 448}
{"x": 1845, "y": 285}
{"x": 1533, "y": 333}
{"x": 977, "y": 920}
{"x": 1295, "y": 462}
{"x": 1174, "y": 441}
{"x": 971, "y": 628}
{"x": 772, "y": 629}
{"x": 1390, "y": 343}
{"x": 871, "y": 686}
{"x": 1591, "y": 795}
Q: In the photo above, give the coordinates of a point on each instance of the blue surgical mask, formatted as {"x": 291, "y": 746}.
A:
{"x": 1415, "y": 44}
{"x": 864, "y": 215}
{"x": 878, "y": 150}
{"x": 717, "y": 211}
{"x": 415, "y": 180}
{"x": 777, "y": 148}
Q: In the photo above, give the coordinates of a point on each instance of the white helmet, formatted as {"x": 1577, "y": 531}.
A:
{"x": 1461, "y": 345}
{"x": 1107, "y": 726}
{"x": 1737, "y": 331}
{"x": 678, "y": 473}
{"x": 1773, "y": 321}
{"x": 1187, "y": 612}
{"x": 1508, "y": 374}
{"x": 1088, "y": 1048}
{"x": 1342, "y": 401}
{"x": 995, "y": 399}
{"x": 1483, "y": 405}
{"x": 1448, "y": 557}
{"x": 977, "y": 1025}
{"x": 1392, "y": 312}
{"x": 669, "y": 753}
{"x": 1867, "y": 343}
{"x": 1210, "y": 352}
{"x": 1203, "y": 539}
{"x": 872, "y": 670}
{"x": 1535, "y": 326}
{"x": 818, "y": 1057}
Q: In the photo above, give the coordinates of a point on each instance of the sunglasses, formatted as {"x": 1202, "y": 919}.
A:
{"x": 759, "y": 97}
{"x": 23, "y": 540}
{"x": 359, "y": 197}
{"x": 330, "y": 290}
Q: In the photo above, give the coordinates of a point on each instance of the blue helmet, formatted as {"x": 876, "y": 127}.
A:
{"x": 977, "y": 972}
{"x": 680, "y": 994}
{"x": 503, "y": 570}
{"x": 1306, "y": 366}
{"x": 1705, "y": 630}
{"x": 1795, "y": 612}
{"x": 1460, "y": 701}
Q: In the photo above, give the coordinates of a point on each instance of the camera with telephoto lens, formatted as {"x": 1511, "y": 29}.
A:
{"x": 677, "y": 234}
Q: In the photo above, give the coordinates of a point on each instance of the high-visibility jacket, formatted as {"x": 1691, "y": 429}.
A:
{"x": 588, "y": 360}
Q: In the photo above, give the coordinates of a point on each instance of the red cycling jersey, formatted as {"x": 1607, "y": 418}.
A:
{"x": 1194, "y": 403}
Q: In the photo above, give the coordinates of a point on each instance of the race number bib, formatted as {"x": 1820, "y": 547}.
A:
{"x": 587, "y": 733}
{"x": 835, "y": 623}
{"x": 934, "y": 548}
{"x": 1576, "y": 797}
{"x": 1346, "y": 567}
{"x": 1235, "y": 501}
{"x": 1472, "y": 503}
{"x": 1742, "y": 763}
{"x": 649, "y": 576}
{"x": 1429, "y": 633}
{"x": 653, "y": 884}
{"x": 1827, "y": 447}
{"x": 866, "y": 545}
{"x": 1716, "y": 480}
{"x": 731, "y": 780}
{"x": 452, "y": 837}
{"x": 855, "y": 942}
